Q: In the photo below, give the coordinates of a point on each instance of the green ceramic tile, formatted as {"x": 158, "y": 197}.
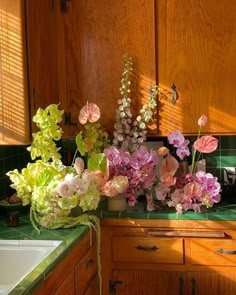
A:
{"x": 228, "y": 159}
{"x": 213, "y": 159}
{"x": 228, "y": 142}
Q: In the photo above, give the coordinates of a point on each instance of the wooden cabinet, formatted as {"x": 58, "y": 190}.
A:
{"x": 196, "y": 50}
{"x": 75, "y": 56}
{"x": 76, "y": 274}
{"x": 170, "y": 257}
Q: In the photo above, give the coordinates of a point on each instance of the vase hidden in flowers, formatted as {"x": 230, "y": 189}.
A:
{"x": 117, "y": 203}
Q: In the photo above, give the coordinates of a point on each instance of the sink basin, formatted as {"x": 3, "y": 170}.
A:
{"x": 19, "y": 257}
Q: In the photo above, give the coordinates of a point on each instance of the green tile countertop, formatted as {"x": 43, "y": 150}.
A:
{"x": 25, "y": 231}
{"x": 221, "y": 211}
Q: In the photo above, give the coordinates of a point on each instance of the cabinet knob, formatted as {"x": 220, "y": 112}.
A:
{"x": 181, "y": 284}
{"x": 112, "y": 286}
{"x": 90, "y": 263}
{"x": 64, "y": 5}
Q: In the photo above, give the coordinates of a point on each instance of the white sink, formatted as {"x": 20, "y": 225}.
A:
{"x": 20, "y": 257}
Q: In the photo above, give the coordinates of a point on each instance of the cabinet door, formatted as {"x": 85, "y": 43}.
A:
{"x": 93, "y": 288}
{"x": 67, "y": 287}
{"x": 86, "y": 269}
{"x": 211, "y": 283}
{"x": 43, "y": 49}
{"x": 97, "y": 34}
{"x": 149, "y": 282}
{"x": 197, "y": 52}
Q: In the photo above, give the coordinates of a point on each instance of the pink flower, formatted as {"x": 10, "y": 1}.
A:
{"x": 206, "y": 144}
{"x": 65, "y": 189}
{"x": 169, "y": 166}
{"x": 183, "y": 151}
{"x": 79, "y": 165}
{"x": 176, "y": 138}
{"x": 161, "y": 191}
{"x": 90, "y": 112}
{"x": 202, "y": 120}
{"x": 162, "y": 151}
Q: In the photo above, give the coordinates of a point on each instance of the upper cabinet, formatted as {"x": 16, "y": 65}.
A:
{"x": 14, "y": 110}
{"x": 196, "y": 48}
{"x": 75, "y": 55}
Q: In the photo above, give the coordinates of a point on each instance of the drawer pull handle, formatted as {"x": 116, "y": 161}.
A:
{"x": 90, "y": 263}
{"x": 182, "y": 233}
{"x": 181, "y": 284}
{"x": 232, "y": 252}
{"x": 141, "y": 248}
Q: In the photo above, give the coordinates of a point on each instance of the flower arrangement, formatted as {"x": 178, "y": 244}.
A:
{"x": 53, "y": 189}
{"x": 188, "y": 190}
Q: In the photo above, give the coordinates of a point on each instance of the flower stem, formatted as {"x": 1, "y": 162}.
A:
{"x": 194, "y": 153}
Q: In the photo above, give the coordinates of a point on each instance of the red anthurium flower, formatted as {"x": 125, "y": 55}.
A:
{"x": 206, "y": 144}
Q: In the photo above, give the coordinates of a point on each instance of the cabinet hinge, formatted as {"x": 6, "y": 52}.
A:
{"x": 64, "y": 5}
{"x": 112, "y": 286}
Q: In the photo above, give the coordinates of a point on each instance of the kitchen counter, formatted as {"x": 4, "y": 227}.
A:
{"x": 70, "y": 237}
{"x": 25, "y": 231}
{"x": 221, "y": 211}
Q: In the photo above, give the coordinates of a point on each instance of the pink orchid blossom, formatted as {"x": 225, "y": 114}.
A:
{"x": 161, "y": 191}
{"x": 176, "y": 139}
{"x": 206, "y": 144}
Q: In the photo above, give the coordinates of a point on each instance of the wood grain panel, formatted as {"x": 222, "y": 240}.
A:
{"x": 97, "y": 34}
{"x": 197, "y": 51}
{"x": 42, "y": 53}
{"x": 205, "y": 252}
{"x": 152, "y": 282}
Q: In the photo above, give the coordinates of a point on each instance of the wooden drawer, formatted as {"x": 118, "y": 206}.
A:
{"x": 213, "y": 252}
{"x": 86, "y": 270}
{"x": 148, "y": 250}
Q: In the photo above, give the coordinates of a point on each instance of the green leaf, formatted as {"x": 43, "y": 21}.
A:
{"x": 98, "y": 162}
{"x": 81, "y": 146}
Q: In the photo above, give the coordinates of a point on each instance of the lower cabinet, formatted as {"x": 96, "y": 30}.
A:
{"x": 76, "y": 274}
{"x": 163, "y": 257}
{"x": 128, "y": 282}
